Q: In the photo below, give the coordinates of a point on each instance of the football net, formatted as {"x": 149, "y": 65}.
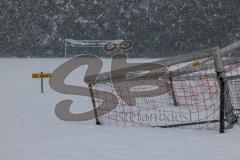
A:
{"x": 73, "y": 47}
{"x": 188, "y": 101}
{"x": 187, "y": 95}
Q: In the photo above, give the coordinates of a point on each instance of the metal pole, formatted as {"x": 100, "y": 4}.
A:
{"x": 222, "y": 101}
{"x": 41, "y": 84}
{"x": 106, "y": 76}
{"x": 173, "y": 92}
{"x": 65, "y": 49}
{"x": 94, "y": 103}
{"x": 221, "y": 75}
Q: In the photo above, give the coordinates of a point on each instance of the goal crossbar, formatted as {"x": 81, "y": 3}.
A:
{"x": 206, "y": 53}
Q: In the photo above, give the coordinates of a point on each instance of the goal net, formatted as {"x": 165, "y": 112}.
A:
{"x": 188, "y": 100}
{"x": 73, "y": 47}
{"x": 187, "y": 95}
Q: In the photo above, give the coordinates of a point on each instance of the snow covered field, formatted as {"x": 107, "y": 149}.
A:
{"x": 31, "y": 131}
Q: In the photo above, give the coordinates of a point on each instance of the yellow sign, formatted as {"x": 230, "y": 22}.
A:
{"x": 196, "y": 63}
{"x": 41, "y": 75}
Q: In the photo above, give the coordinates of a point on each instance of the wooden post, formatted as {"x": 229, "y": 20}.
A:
{"x": 41, "y": 83}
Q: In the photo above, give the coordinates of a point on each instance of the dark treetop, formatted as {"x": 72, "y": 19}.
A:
{"x": 37, "y": 28}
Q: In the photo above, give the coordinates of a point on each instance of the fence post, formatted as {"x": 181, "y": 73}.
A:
{"x": 94, "y": 103}
{"x": 220, "y": 75}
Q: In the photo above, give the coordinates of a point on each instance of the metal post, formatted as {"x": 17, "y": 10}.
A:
{"x": 65, "y": 49}
{"x": 173, "y": 92}
{"x": 94, "y": 104}
{"x": 41, "y": 83}
{"x": 222, "y": 101}
{"x": 221, "y": 75}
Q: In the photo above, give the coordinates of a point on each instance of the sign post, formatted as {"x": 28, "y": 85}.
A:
{"x": 42, "y": 75}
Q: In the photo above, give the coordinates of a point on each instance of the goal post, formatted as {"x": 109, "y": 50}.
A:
{"x": 201, "y": 93}
{"x": 157, "y": 108}
{"x": 86, "y": 44}
{"x": 154, "y": 103}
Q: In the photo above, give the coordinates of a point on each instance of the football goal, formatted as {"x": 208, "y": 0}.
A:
{"x": 86, "y": 46}
{"x": 196, "y": 90}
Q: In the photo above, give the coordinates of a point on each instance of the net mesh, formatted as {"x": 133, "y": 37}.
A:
{"x": 233, "y": 69}
{"x": 233, "y": 90}
{"x": 190, "y": 100}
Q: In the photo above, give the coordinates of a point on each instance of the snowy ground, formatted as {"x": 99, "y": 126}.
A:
{"x": 31, "y": 131}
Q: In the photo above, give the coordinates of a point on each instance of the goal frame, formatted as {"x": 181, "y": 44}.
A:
{"x": 216, "y": 55}
{"x": 87, "y": 44}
